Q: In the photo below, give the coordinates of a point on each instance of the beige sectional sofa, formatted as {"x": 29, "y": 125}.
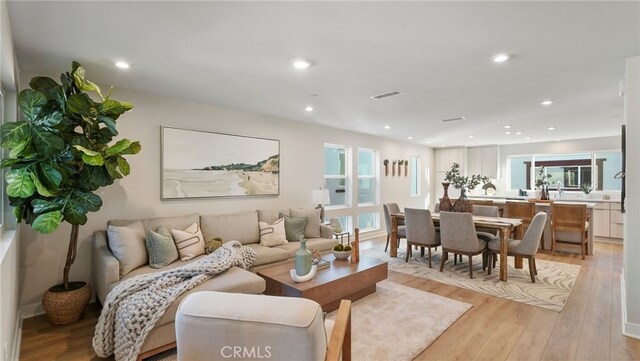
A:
{"x": 242, "y": 227}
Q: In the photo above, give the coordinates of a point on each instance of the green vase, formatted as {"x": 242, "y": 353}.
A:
{"x": 302, "y": 259}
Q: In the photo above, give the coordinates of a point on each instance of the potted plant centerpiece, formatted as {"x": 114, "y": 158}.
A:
{"x": 59, "y": 155}
{"x": 542, "y": 184}
{"x": 586, "y": 189}
{"x": 463, "y": 183}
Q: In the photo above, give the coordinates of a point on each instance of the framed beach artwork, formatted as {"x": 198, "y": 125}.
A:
{"x": 197, "y": 164}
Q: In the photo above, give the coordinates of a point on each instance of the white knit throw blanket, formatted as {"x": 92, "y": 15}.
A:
{"x": 134, "y": 306}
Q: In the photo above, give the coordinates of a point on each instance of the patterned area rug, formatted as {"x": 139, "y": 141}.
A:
{"x": 383, "y": 314}
{"x": 554, "y": 281}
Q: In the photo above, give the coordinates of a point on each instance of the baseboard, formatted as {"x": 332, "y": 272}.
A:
{"x": 628, "y": 328}
{"x": 17, "y": 338}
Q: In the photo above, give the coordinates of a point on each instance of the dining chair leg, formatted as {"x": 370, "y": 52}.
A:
{"x": 443, "y": 259}
{"x": 553, "y": 241}
{"x": 421, "y": 251}
{"x": 455, "y": 259}
{"x": 470, "y": 267}
{"x": 387, "y": 245}
{"x": 535, "y": 268}
{"x": 460, "y": 257}
{"x": 429, "y": 248}
{"x": 408, "y": 253}
{"x": 583, "y": 245}
{"x": 484, "y": 260}
{"x": 489, "y": 261}
{"x": 532, "y": 273}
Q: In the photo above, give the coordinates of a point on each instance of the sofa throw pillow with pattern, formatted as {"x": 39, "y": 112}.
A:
{"x": 273, "y": 234}
{"x": 189, "y": 242}
{"x": 127, "y": 245}
{"x": 294, "y": 227}
{"x": 161, "y": 248}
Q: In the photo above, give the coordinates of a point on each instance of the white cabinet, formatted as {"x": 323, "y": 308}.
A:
{"x": 483, "y": 160}
{"x": 607, "y": 220}
{"x": 600, "y": 222}
{"x": 446, "y": 157}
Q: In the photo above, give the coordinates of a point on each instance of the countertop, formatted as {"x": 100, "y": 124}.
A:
{"x": 563, "y": 199}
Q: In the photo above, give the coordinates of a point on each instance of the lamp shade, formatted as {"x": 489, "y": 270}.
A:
{"x": 320, "y": 196}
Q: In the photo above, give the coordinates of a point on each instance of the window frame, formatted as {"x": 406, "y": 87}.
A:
{"x": 414, "y": 175}
{"x": 375, "y": 177}
{"x": 346, "y": 176}
{"x": 376, "y": 222}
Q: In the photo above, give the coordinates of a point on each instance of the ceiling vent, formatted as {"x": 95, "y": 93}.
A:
{"x": 385, "y": 95}
{"x": 453, "y": 119}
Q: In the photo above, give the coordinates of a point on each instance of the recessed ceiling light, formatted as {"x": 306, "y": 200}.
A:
{"x": 518, "y": 133}
{"x": 428, "y": 142}
{"x": 308, "y": 108}
{"x": 387, "y": 127}
{"x": 507, "y": 127}
{"x": 122, "y": 65}
{"x": 409, "y": 138}
{"x": 547, "y": 102}
{"x": 300, "y": 63}
{"x": 527, "y": 138}
{"x": 500, "y": 58}
{"x": 443, "y": 145}
{"x": 470, "y": 137}
{"x": 551, "y": 128}
{"x": 558, "y": 140}
{"x": 507, "y": 132}
{"x": 498, "y": 121}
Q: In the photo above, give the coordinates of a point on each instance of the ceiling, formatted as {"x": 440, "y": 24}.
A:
{"x": 437, "y": 54}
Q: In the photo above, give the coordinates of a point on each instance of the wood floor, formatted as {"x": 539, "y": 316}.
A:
{"x": 588, "y": 328}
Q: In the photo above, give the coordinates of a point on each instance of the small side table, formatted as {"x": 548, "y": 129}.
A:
{"x": 341, "y": 235}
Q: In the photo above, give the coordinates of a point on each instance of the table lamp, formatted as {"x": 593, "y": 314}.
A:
{"x": 320, "y": 197}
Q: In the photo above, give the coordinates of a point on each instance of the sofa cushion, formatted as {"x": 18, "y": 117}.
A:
{"x": 294, "y": 227}
{"x": 234, "y": 280}
{"x": 177, "y": 222}
{"x": 268, "y": 254}
{"x": 160, "y": 247}
{"x": 312, "y": 229}
{"x": 321, "y": 244}
{"x": 127, "y": 244}
{"x": 272, "y": 234}
{"x": 271, "y": 215}
{"x": 189, "y": 242}
{"x": 242, "y": 227}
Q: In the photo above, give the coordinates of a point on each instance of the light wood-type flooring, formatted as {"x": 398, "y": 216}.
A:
{"x": 588, "y": 328}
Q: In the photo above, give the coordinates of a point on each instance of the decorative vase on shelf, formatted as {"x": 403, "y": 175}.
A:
{"x": 302, "y": 260}
{"x": 463, "y": 204}
{"x": 545, "y": 193}
{"x": 445, "y": 202}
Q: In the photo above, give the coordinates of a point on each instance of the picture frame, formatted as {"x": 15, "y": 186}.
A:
{"x": 205, "y": 164}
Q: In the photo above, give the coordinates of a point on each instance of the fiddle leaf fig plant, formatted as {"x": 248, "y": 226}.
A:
{"x": 59, "y": 153}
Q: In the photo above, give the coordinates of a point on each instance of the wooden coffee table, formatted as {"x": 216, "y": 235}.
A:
{"x": 341, "y": 280}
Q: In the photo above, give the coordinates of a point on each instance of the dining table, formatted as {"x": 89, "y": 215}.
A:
{"x": 506, "y": 227}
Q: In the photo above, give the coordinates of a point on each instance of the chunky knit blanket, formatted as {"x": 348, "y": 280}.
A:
{"x": 134, "y": 306}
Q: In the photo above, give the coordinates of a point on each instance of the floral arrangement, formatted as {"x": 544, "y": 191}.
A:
{"x": 543, "y": 179}
{"x": 458, "y": 181}
{"x": 587, "y": 188}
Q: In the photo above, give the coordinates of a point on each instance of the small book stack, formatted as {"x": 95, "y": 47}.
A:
{"x": 323, "y": 264}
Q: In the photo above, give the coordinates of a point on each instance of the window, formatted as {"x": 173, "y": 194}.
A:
{"x": 414, "y": 171}
{"x": 367, "y": 176}
{"x": 567, "y": 171}
{"x": 346, "y": 223}
{"x": 368, "y": 221}
{"x": 336, "y": 174}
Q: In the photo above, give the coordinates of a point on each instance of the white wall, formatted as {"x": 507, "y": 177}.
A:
{"x": 138, "y": 195}
{"x": 631, "y": 270}
{"x": 9, "y": 280}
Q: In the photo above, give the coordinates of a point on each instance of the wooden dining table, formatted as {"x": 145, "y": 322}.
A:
{"x": 505, "y": 227}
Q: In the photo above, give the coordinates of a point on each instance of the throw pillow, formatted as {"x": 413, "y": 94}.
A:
{"x": 273, "y": 234}
{"x": 127, "y": 245}
{"x": 211, "y": 245}
{"x": 294, "y": 227}
{"x": 312, "y": 229}
{"x": 161, "y": 248}
{"x": 189, "y": 242}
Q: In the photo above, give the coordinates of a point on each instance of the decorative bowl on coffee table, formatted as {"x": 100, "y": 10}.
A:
{"x": 342, "y": 255}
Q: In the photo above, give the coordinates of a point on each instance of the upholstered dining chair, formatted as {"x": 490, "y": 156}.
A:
{"x": 458, "y": 235}
{"x": 389, "y": 209}
{"x": 527, "y": 247}
{"x": 569, "y": 225}
{"x": 420, "y": 231}
{"x": 521, "y": 210}
{"x": 477, "y": 202}
{"x": 486, "y": 211}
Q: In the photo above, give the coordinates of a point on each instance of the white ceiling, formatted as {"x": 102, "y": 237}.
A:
{"x": 438, "y": 54}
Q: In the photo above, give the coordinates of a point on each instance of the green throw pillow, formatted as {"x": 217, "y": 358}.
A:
{"x": 212, "y": 244}
{"x": 161, "y": 248}
{"x": 294, "y": 227}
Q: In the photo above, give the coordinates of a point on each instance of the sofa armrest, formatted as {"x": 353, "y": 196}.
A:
{"x": 326, "y": 231}
{"x": 106, "y": 269}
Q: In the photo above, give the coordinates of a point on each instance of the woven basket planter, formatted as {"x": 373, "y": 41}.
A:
{"x": 65, "y": 307}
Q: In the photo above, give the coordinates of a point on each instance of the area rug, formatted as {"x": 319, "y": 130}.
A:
{"x": 554, "y": 281}
{"x": 413, "y": 318}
